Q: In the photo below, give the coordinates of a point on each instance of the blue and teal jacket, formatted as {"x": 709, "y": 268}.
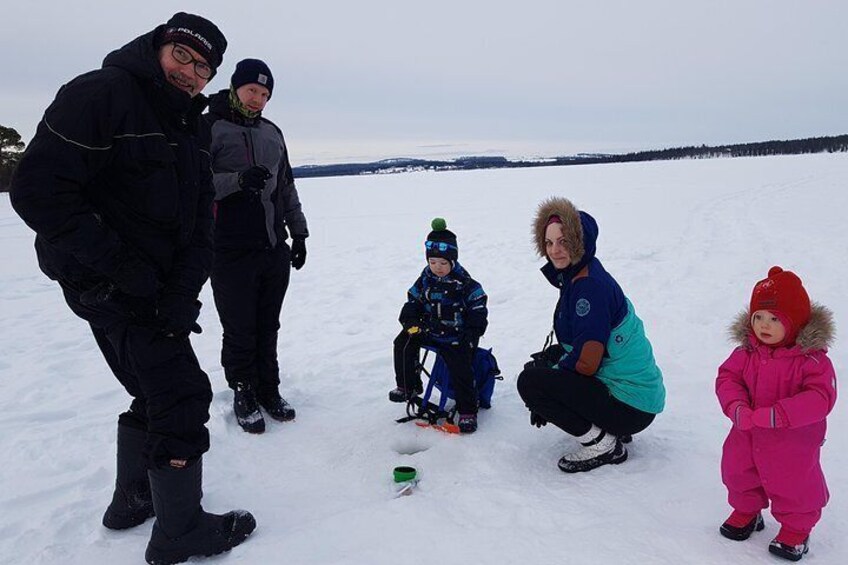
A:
{"x": 600, "y": 331}
{"x": 448, "y": 306}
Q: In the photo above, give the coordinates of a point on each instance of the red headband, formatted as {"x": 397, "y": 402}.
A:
{"x": 554, "y": 219}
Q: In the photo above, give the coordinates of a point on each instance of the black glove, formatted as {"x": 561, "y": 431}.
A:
{"x": 536, "y": 420}
{"x": 298, "y": 252}
{"x": 546, "y": 359}
{"x": 178, "y": 315}
{"x": 136, "y": 278}
{"x": 254, "y": 178}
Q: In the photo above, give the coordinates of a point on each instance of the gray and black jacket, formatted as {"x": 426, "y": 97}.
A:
{"x": 244, "y": 220}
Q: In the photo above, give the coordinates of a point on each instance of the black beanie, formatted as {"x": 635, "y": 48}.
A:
{"x": 250, "y": 71}
{"x": 198, "y": 33}
{"x": 441, "y": 242}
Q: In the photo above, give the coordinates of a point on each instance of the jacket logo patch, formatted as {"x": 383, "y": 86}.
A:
{"x": 582, "y": 307}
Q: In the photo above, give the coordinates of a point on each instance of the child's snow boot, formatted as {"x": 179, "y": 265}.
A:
{"x": 131, "y": 502}
{"x": 247, "y": 411}
{"x": 276, "y": 406}
{"x": 182, "y": 528}
{"x": 740, "y": 525}
{"x": 467, "y": 423}
{"x": 598, "y": 448}
{"x": 790, "y": 545}
{"x": 401, "y": 394}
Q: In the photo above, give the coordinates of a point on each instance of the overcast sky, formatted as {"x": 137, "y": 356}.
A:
{"x": 377, "y": 78}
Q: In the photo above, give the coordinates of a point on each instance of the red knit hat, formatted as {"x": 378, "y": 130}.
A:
{"x": 783, "y": 294}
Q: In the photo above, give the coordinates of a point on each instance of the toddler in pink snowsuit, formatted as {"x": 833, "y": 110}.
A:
{"x": 777, "y": 387}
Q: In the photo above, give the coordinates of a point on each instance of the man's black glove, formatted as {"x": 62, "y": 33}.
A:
{"x": 178, "y": 315}
{"x": 254, "y": 178}
{"x": 134, "y": 277}
{"x": 536, "y": 420}
{"x": 298, "y": 252}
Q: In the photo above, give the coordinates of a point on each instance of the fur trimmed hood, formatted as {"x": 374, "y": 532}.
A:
{"x": 816, "y": 335}
{"x": 579, "y": 228}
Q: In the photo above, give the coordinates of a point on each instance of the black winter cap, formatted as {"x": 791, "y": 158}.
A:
{"x": 253, "y": 71}
{"x": 198, "y": 33}
{"x": 441, "y": 242}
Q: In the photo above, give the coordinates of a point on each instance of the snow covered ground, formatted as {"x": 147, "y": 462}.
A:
{"x": 686, "y": 239}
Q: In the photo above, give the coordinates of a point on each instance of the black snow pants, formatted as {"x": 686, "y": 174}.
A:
{"x": 171, "y": 393}
{"x": 574, "y": 402}
{"x": 249, "y": 287}
{"x": 457, "y": 358}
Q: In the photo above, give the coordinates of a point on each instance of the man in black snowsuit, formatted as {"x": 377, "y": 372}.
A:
{"x": 117, "y": 185}
{"x": 256, "y": 208}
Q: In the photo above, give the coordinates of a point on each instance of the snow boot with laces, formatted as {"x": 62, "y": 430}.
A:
{"x": 246, "y": 409}
{"x": 276, "y": 406}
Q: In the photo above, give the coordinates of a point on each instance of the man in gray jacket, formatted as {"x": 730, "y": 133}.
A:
{"x": 256, "y": 209}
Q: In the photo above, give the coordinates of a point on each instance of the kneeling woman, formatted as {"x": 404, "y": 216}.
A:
{"x": 603, "y": 384}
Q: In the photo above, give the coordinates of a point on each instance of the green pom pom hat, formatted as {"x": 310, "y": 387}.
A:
{"x": 441, "y": 242}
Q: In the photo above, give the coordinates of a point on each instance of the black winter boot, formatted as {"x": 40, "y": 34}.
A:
{"x": 400, "y": 394}
{"x": 276, "y": 406}
{"x": 131, "y": 502}
{"x": 739, "y": 526}
{"x": 182, "y": 528}
{"x": 467, "y": 423}
{"x": 247, "y": 411}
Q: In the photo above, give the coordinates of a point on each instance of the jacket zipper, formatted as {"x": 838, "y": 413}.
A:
{"x": 251, "y": 157}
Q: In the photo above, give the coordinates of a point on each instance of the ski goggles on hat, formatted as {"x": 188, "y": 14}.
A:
{"x": 438, "y": 245}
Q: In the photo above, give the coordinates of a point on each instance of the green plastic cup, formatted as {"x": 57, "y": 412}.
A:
{"x": 403, "y": 474}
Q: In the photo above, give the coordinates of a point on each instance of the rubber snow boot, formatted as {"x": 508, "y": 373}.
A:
{"x": 246, "y": 409}
{"x": 467, "y": 423}
{"x": 401, "y": 394}
{"x": 182, "y": 528}
{"x": 790, "y": 545}
{"x": 740, "y": 525}
{"x": 598, "y": 448}
{"x": 131, "y": 502}
{"x": 276, "y": 406}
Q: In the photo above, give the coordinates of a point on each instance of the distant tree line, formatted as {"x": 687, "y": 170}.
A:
{"x": 11, "y": 148}
{"x": 831, "y": 144}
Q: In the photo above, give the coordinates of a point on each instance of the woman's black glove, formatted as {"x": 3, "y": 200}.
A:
{"x": 547, "y": 358}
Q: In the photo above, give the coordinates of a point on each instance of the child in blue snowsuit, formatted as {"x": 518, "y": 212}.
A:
{"x": 445, "y": 310}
